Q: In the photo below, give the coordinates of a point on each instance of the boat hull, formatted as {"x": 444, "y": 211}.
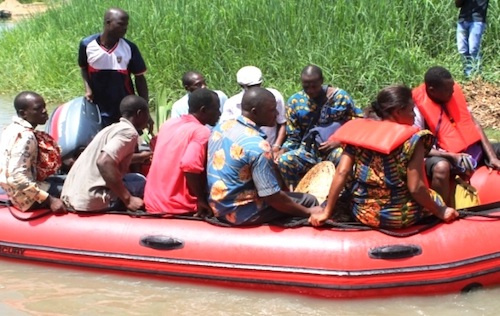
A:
{"x": 319, "y": 262}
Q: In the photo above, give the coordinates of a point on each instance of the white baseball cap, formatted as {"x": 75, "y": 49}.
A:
{"x": 249, "y": 76}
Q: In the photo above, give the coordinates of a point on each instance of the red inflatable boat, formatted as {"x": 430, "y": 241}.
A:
{"x": 326, "y": 262}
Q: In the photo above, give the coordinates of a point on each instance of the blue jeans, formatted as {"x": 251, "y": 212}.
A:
{"x": 135, "y": 183}
{"x": 469, "y": 43}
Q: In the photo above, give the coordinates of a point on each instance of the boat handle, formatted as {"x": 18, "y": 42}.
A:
{"x": 161, "y": 242}
{"x": 395, "y": 252}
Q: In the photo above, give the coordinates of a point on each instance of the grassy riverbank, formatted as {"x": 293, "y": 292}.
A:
{"x": 362, "y": 45}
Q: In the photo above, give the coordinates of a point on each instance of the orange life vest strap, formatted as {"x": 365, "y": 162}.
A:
{"x": 380, "y": 136}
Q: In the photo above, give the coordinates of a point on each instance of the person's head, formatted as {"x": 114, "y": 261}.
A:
{"x": 249, "y": 76}
{"x": 259, "y": 105}
{"x": 30, "y": 106}
{"x": 135, "y": 109}
{"x": 192, "y": 80}
{"x": 115, "y": 22}
{"x": 312, "y": 80}
{"x": 439, "y": 84}
{"x": 395, "y": 103}
{"x": 204, "y": 105}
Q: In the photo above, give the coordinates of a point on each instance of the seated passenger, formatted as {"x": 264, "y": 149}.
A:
{"x": 388, "y": 189}
{"x": 27, "y": 158}
{"x": 442, "y": 108}
{"x": 243, "y": 186}
{"x": 176, "y": 182}
{"x": 248, "y": 77}
{"x": 191, "y": 81}
{"x": 98, "y": 180}
{"x": 316, "y": 106}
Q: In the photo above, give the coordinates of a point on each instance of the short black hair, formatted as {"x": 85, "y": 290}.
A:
{"x": 187, "y": 77}
{"x": 434, "y": 76}
{"x": 201, "y": 97}
{"x": 131, "y": 104}
{"x": 254, "y": 97}
{"x": 21, "y": 101}
{"x": 310, "y": 70}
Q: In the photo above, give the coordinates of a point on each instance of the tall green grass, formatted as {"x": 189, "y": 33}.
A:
{"x": 362, "y": 45}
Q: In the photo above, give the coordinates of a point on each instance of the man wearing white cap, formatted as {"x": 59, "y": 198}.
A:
{"x": 251, "y": 76}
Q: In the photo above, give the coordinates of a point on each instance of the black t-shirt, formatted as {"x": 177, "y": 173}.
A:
{"x": 473, "y": 11}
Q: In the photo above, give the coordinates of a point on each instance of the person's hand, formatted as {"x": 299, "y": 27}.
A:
{"x": 277, "y": 154}
{"x": 89, "y": 96}
{"x": 495, "y": 163}
{"x": 455, "y": 157}
{"x": 144, "y": 156}
{"x": 134, "y": 204}
{"x": 328, "y": 146}
{"x": 203, "y": 210}
{"x": 448, "y": 214}
{"x": 57, "y": 206}
{"x": 318, "y": 218}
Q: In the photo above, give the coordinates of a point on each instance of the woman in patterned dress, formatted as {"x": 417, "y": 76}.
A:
{"x": 388, "y": 190}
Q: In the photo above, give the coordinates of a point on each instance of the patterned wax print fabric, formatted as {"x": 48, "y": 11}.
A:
{"x": 239, "y": 170}
{"x": 301, "y": 112}
{"x": 380, "y": 195}
{"x": 18, "y": 165}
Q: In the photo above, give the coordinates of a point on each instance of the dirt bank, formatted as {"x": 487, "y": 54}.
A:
{"x": 484, "y": 99}
{"x": 20, "y": 10}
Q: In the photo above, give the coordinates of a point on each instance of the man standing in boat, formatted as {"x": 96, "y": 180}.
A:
{"x": 107, "y": 60}
{"x": 99, "y": 179}
{"x": 243, "y": 186}
{"x": 21, "y": 174}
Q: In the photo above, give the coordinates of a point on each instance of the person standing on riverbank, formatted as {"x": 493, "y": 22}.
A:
{"x": 107, "y": 61}
{"x": 20, "y": 156}
{"x": 470, "y": 28}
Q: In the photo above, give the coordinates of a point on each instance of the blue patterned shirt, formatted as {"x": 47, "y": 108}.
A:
{"x": 301, "y": 111}
{"x": 239, "y": 170}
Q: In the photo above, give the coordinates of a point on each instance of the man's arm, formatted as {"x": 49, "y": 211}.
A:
{"x": 89, "y": 95}
{"x": 142, "y": 87}
{"x": 282, "y": 202}
{"x": 197, "y": 183}
{"x": 110, "y": 173}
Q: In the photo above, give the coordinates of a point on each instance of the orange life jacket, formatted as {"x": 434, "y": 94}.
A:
{"x": 453, "y": 136}
{"x": 380, "y": 136}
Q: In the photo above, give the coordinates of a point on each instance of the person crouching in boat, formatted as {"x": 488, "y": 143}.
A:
{"x": 28, "y": 157}
{"x": 99, "y": 180}
{"x": 386, "y": 158}
{"x": 176, "y": 182}
{"x": 242, "y": 180}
